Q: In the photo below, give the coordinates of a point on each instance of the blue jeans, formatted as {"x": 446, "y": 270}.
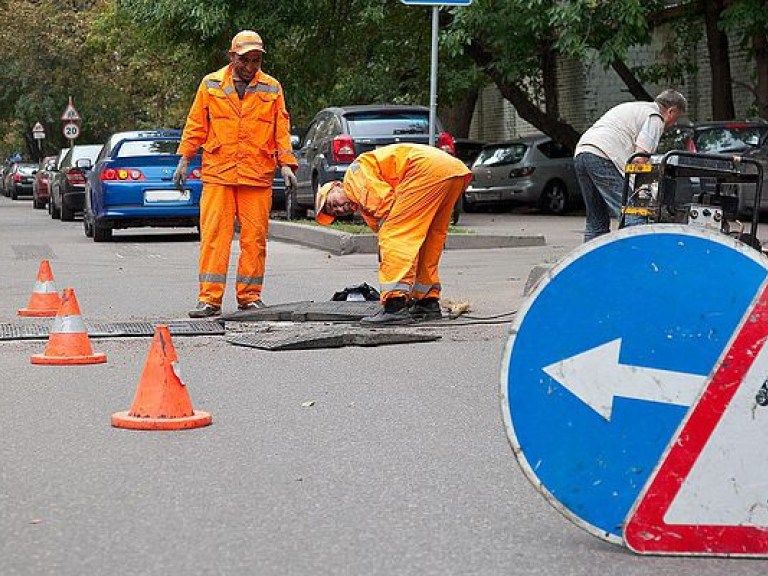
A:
{"x": 601, "y": 186}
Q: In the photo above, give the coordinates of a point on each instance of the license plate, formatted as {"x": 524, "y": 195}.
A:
{"x": 153, "y": 196}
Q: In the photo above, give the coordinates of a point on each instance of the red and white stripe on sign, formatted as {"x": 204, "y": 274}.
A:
{"x": 709, "y": 494}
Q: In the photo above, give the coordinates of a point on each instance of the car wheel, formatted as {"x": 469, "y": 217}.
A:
{"x": 554, "y": 199}
{"x": 67, "y": 214}
{"x": 87, "y": 228}
{"x": 457, "y": 210}
{"x": 467, "y": 206}
{"x": 292, "y": 209}
{"x": 14, "y": 194}
{"x": 101, "y": 233}
{"x": 55, "y": 212}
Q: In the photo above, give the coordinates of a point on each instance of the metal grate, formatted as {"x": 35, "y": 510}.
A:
{"x": 117, "y": 329}
{"x": 302, "y": 338}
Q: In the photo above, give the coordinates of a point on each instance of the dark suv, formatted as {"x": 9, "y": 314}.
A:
{"x": 68, "y": 184}
{"x": 337, "y": 136}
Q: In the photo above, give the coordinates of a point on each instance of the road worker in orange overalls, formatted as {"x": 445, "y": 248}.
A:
{"x": 406, "y": 193}
{"x": 239, "y": 119}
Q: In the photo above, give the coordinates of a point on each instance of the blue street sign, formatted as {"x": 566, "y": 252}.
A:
{"x": 437, "y": 2}
{"x": 607, "y": 355}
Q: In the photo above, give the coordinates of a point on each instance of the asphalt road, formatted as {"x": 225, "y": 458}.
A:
{"x": 400, "y": 466}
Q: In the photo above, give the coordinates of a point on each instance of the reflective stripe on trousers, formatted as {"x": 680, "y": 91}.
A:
{"x": 219, "y": 206}
{"x": 411, "y": 239}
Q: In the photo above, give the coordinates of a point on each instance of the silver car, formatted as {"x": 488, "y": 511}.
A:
{"x": 534, "y": 170}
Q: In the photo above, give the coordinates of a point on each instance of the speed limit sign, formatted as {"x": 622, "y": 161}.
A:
{"x": 71, "y": 130}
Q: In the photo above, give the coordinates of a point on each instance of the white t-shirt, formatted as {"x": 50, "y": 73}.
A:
{"x": 622, "y": 130}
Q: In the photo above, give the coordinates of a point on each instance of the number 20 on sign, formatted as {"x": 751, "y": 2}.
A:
{"x": 71, "y": 130}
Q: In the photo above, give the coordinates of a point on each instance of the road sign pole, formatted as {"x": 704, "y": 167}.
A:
{"x": 433, "y": 77}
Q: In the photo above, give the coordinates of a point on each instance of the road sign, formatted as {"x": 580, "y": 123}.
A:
{"x": 437, "y": 2}
{"x": 71, "y": 130}
{"x": 38, "y": 131}
{"x": 70, "y": 113}
{"x": 709, "y": 495}
{"x": 608, "y": 353}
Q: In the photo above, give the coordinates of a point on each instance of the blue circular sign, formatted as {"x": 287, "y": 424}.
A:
{"x": 607, "y": 354}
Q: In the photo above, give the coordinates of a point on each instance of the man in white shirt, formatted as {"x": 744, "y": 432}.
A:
{"x": 603, "y": 151}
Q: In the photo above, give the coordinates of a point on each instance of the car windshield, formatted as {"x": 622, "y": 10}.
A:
{"x": 721, "y": 139}
{"x": 500, "y": 155}
{"x": 373, "y": 124}
{"x": 146, "y": 148}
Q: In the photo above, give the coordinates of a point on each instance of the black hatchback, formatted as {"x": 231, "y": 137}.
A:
{"x": 338, "y": 135}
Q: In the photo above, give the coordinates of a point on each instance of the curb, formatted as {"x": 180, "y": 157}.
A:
{"x": 341, "y": 243}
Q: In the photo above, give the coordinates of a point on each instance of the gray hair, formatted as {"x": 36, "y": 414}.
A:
{"x": 672, "y": 98}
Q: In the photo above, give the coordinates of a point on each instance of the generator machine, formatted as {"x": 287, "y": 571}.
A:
{"x": 705, "y": 190}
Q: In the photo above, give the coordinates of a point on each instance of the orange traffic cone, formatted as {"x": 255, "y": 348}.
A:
{"x": 161, "y": 401}
{"x": 68, "y": 341}
{"x": 45, "y": 299}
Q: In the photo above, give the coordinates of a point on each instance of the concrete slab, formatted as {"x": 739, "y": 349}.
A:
{"x": 341, "y": 243}
{"x": 309, "y": 311}
{"x": 315, "y": 337}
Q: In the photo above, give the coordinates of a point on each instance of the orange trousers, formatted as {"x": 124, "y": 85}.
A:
{"x": 412, "y": 237}
{"x": 219, "y": 206}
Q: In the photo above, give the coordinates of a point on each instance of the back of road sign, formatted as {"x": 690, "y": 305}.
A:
{"x": 608, "y": 353}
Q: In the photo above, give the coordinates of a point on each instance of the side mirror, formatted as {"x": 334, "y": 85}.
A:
{"x": 84, "y": 163}
{"x": 295, "y": 141}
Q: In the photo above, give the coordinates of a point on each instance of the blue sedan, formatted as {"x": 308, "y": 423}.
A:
{"x": 131, "y": 185}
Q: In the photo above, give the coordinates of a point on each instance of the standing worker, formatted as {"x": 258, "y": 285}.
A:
{"x": 239, "y": 119}
{"x": 406, "y": 193}
{"x": 604, "y": 149}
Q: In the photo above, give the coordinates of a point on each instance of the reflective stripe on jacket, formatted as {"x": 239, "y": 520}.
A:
{"x": 244, "y": 140}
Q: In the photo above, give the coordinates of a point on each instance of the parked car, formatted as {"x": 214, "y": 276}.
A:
{"x": 534, "y": 170}
{"x": 336, "y": 136}
{"x": 131, "y": 185}
{"x": 468, "y": 150}
{"x": 40, "y": 185}
{"x": 18, "y": 181}
{"x": 278, "y": 183}
{"x": 68, "y": 184}
{"x": 721, "y": 137}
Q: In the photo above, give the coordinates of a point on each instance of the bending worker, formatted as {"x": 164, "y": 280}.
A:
{"x": 406, "y": 193}
{"x": 239, "y": 119}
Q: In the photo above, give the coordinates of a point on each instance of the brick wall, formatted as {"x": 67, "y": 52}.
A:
{"x": 587, "y": 90}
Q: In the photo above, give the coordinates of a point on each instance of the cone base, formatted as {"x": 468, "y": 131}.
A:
{"x": 37, "y": 313}
{"x": 125, "y": 420}
{"x": 96, "y": 358}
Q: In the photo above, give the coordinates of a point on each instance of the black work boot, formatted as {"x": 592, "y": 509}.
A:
{"x": 426, "y": 309}
{"x": 394, "y": 312}
{"x": 204, "y": 310}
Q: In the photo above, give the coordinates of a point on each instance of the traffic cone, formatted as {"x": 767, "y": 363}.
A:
{"x": 161, "y": 401}
{"x": 45, "y": 299}
{"x": 68, "y": 341}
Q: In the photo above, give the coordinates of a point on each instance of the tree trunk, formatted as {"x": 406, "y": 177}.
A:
{"x": 760, "y": 49}
{"x": 635, "y": 88}
{"x": 719, "y": 61}
{"x": 549, "y": 124}
{"x": 458, "y": 117}
{"x": 549, "y": 81}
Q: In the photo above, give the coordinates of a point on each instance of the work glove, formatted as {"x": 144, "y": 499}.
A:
{"x": 289, "y": 177}
{"x": 180, "y": 176}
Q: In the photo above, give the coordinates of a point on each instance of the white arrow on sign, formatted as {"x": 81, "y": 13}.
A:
{"x": 596, "y": 377}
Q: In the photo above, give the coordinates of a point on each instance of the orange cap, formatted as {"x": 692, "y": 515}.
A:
{"x": 322, "y": 197}
{"x": 246, "y": 41}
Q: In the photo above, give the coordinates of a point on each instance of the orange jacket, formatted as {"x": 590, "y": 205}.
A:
{"x": 243, "y": 140}
{"x": 376, "y": 178}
